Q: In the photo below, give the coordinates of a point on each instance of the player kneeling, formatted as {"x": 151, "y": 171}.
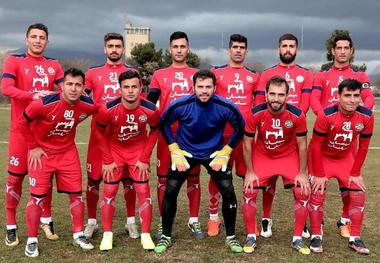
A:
{"x": 336, "y": 131}
{"x": 49, "y": 126}
{"x": 127, "y": 147}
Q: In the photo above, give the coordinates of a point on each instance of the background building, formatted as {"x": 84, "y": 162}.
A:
{"x": 135, "y": 35}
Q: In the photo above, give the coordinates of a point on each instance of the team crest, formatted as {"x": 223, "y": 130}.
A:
{"x": 366, "y": 85}
{"x": 82, "y": 116}
{"x": 51, "y": 70}
{"x": 288, "y": 124}
{"x": 249, "y": 79}
{"x": 300, "y": 79}
{"x": 143, "y": 118}
{"x": 359, "y": 127}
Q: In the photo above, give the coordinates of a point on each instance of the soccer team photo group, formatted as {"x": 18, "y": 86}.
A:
{"x": 228, "y": 130}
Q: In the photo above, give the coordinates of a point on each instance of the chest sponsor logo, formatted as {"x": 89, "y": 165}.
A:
{"x": 235, "y": 91}
{"x": 180, "y": 86}
{"x": 130, "y": 129}
{"x": 274, "y": 138}
{"x": 65, "y": 126}
{"x": 343, "y": 138}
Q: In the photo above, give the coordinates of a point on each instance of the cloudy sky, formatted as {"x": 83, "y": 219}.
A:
{"x": 81, "y": 24}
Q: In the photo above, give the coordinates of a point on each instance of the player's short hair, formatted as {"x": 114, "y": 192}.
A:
{"x": 277, "y": 81}
{"x": 112, "y": 36}
{"x": 74, "y": 72}
{"x": 287, "y": 36}
{"x": 342, "y": 38}
{"x": 39, "y": 26}
{"x": 178, "y": 35}
{"x": 349, "y": 84}
{"x": 130, "y": 74}
{"x": 238, "y": 38}
{"x": 204, "y": 74}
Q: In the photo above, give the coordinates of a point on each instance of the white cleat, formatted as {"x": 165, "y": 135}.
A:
{"x": 31, "y": 250}
{"x": 83, "y": 243}
{"x": 132, "y": 230}
{"x": 266, "y": 228}
{"x": 90, "y": 230}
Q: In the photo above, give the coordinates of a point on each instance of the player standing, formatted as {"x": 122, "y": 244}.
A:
{"x": 280, "y": 149}
{"x": 300, "y": 82}
{"x": 102, "y": 81}
{"x": 49, "y": 127}
{"x": 237, "y": 83}
{"x": 201, "y": 118}
{"x": 122, "y": 131}
{"x": 167, "y": 85}
{"x": 336, "y": 131}
{"x": 325, "y": 94}
{"x": 26, "y": 77}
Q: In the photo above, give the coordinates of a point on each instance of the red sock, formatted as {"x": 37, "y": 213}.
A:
{"x": 145, "y": 206}
{"x": 107, "y": 205}
{"x": 76, "y": 212}
{"x": 346, "y": 203}
{"x": 300, "y": 210}
{"x": 46, "y": 210}
{"x": 213, "y": 197}
{"x": 92, "y": 197}
{"x": 194, "y": 195}
{"x": 249, "y": 211}
{"x": 356, "y": 211}
{"x": 161, "y": 187}
{"x": 33, "y": 214}
{"x": 268, "y": 197}
{"x": 316, "y": 212}
{"x": 12, "y": 197}
{"x": 130, "y": 197}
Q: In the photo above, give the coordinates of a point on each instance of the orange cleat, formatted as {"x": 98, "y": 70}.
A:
{"x": 213, "y": 227}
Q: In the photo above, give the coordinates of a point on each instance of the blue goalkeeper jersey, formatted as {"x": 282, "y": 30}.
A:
{"x": 201, "y": 125}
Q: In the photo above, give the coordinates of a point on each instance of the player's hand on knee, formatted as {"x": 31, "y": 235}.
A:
{"x": 249, "y": 180}
{"x": 318, "y": 184}
{"x": 178, "y": 158}
{"x": 35, "y": 158}
{"x": 358, "y": 180}
{"x": 221, "y": 158}
{"x": 144, "y": 170}
{"x": 108, "y": 170}
{"x": 303, "y": 181}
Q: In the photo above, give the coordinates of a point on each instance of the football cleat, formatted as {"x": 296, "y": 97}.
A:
{"x": 266, "y": 228}
{"x": 132, "y": 230}
{"x": 234, "y": 245}
{"x": 107, "y": 240}
{"x": 31, "y": 250}
{"x": 316, "y": 245}
{"x": 196, "y": 230}
{"x": 147, "y": 242}
{"x": 49, "y": 231}
{"x": 90, "y": 230}
{"x": 344, "y": 229}
{"x": 83, "y": 243}
{"x": 358, "y": 246}
{"x": 249, "y": 245}
{"x": 163, "y": 244}
{"x": 11, "y": 238}
{"x": 213, "y": 227}
{"x": 300, "y": 246}
{"x": 305, "y": 232}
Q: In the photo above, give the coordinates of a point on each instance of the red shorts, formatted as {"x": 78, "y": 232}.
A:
{"x": 265, "y": 167}
{"x": 340, "y": 169}
{"x": 17, "y": 154}
{"x": 237, "y": 158}
{"x": 66, "y": 168}
{"x": 164, "y": 159}
{"x": 94, "y": 159}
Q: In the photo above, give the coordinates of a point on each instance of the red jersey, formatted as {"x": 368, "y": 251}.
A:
{"x": 325, "y": 87}
{"x": 300, "y": 82}
{"x": 127, "y": 129}
{"x": 103, "y": 81}
{"x": 237, "y": 84}
{"x": 54, "y": 122}
{"x": 24, "y": 75}
{"x": 171, "y": 83}
{"x": 276, "y": 134}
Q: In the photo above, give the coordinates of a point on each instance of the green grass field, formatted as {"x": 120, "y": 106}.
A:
{"x": 185, "y": 248}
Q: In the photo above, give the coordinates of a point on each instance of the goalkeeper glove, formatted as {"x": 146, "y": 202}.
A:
{"x": 178, "y": 157}
{"x": 221, "y": 158}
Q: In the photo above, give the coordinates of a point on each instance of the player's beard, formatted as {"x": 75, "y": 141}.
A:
{"x": 277, "y": 108}
{"x": 287, "y": 59}
{"x": 114, "y": 59}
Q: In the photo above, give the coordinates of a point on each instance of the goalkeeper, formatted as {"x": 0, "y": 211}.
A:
{"x": 202, "y": 118}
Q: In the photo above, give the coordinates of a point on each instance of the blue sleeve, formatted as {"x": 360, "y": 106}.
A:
{"x": 236, "y": 120}
{"x": 166, "y": 121}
